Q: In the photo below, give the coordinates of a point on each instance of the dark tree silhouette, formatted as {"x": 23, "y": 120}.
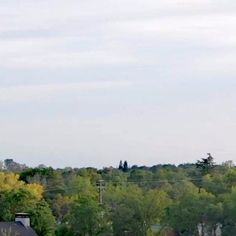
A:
{"x": 125, "y": 166}
{"x": 120, "y": 166}
{"x": 205, "y": 164}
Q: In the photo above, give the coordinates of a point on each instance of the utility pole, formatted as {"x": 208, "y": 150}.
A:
{"x": 100, "y": 185}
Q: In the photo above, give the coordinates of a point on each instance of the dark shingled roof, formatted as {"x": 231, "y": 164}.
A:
{"x": 15, "y": 229}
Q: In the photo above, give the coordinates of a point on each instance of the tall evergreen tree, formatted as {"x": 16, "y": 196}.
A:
{"x": 205, "y": 164}
{"x": 125, "y": 166}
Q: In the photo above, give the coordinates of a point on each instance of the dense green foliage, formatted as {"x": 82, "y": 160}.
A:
{"x": 138, "y": 201}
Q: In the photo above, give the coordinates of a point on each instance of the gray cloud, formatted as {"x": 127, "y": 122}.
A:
{"x": 100, "y": 81}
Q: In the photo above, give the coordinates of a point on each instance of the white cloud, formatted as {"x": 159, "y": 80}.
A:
{"x": 30, "y": 93}
{"x": 208, "y": 30}
{"x": 67, "y": 60}
{"x": 54, "y": 34}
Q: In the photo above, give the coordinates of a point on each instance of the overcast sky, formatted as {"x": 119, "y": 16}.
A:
{"x": 89, "y": 83}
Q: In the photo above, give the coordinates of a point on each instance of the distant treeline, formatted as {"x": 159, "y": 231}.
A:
{"x": 188, "y": 199}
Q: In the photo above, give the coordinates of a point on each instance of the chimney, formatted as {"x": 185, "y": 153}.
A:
{"x": 23, "y": 218}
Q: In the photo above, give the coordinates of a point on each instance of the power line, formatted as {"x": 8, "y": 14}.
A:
{"x": 102, "y": 183}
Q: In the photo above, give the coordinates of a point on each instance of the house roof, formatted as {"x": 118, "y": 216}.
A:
{"x": 15, "y": 229}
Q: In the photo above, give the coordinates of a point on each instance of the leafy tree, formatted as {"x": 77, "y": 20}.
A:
{"x": 42, "y": 219}
{"x": 87, "y": 218}
{"x": 215, "y": 184}
{"x": 191, "y": 209}
{"x": 81, "y": 187}
{"x": 17, "y": 196}
{"x": 229, "y": 214}
{"x": 114, "y": 176}
{"x": 61, "y": 207}
{"x": 134, "y": 210}
{"x": 13, "y": 201}
{"x": 21, "y": 200}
